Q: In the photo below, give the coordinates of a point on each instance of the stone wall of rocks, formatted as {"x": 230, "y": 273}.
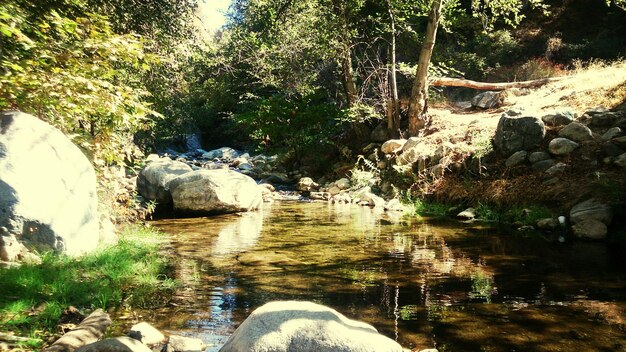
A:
{"x": 546, "y": 145}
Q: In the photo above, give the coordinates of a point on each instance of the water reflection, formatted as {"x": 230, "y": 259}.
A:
{"x": 458, "y": 287}
{"x": 239, "y": 235}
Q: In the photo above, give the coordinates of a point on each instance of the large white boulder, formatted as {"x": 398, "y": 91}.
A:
{"x": 296, "y": 326}
{"x": 48, "y": 196}
{"x": 214, "y": 192}
{"x": 154, "y": 179}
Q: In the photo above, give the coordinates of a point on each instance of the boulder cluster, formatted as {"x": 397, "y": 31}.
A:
{"x": 548, "y": 145}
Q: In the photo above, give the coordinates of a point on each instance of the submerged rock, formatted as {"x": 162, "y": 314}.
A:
{"x": 297, "y": 326}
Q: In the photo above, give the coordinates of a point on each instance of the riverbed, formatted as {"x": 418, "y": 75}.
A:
{"x": 423, "y": 282}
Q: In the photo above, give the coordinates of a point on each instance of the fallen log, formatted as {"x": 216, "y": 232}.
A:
{"x": 460, "y": 82}
{"x": 90, "y": 330}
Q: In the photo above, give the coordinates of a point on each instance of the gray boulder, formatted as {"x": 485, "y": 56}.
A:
{"x": 146, "y": 334}
{"x": 392, "y": 146}
{"x": 342, "y": 183}
{"x": 47, "y": 187}
{"x": 215, "y": 192}
{"x": 118, "y": 344}
{"x": 467, "y": 214}
{"x": 538, "y": 156}
{"x": 224, "y": 153}
{"x": 302, "y": 327}
{"x": 516, "y": 159}
{"x": 556, "y": 169}
{"x": 547, "y": 224}
{"x": 562, "y": 146}
{"x": 488, "y": 100}
{"x": 543, "y": 165}
{"x": 306, "y": 184}
{"x": 412, "y": 151}
{"x": 185, "y": 344}
{"x": 577, "y": 132}
{"x": 611, "y": 133}
{"x": 154, "y": 179}
{"x": 516, "y": 132}
{"x": 591, "y": 209}
{"x": 604, "y": 119}
{"x": 590, "y": 229}
{"x": 559, "y": 118}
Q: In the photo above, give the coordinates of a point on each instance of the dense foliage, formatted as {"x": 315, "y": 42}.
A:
{"x": 281, "y": 74}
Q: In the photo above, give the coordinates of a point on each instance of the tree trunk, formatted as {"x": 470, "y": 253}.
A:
{"x": 345, "y": 58}
{"x": 459, "y": 82}
{"x": 393, "y": 124}
{"x": 419, "y": 94}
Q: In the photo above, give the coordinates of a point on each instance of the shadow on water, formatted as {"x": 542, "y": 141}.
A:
{"x": 454, "y": 286}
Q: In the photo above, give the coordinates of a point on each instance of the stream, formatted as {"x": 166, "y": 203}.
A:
{"x": 443, "y": 284}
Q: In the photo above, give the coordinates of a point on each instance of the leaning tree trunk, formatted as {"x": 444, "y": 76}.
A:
{"x": 419, "y": 93}
{"x": 393, "y": 125}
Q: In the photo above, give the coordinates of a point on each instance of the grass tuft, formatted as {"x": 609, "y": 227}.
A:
{"x": 131, "y": 273}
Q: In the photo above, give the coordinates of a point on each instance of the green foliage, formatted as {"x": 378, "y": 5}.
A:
{"x": 512, "y": 214}
{"x": 289, "y": 123}
{"x": 75, "y": 73}
{"x": 482, "y": 286}
{"x": 423, "y": 207}
{"x": 130, "y": 273}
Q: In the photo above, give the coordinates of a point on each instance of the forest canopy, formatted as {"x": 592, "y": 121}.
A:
{"x": 282, "y": 74}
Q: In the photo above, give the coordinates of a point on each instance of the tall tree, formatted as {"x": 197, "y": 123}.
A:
{"x": 393, "y": 123}
{"x": 419, "y": 93}
{"x": 488, "y": 12}
{"x": 344, "y": 48}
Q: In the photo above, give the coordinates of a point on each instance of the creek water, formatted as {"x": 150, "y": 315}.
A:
{"x": 424, "y": 283}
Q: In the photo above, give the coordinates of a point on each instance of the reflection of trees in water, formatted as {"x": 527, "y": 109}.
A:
{"x": 445, "y": 277}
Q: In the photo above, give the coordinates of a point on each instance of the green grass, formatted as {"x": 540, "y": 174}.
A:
{"x": 131, "y": 273}
{"x": 486, "y": 212}
{"x": 510, "y": 215}
{"x": 423, "y": 207}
